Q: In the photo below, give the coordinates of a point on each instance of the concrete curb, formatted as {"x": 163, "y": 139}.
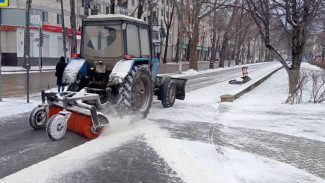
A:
{"x": 232, "y": 97}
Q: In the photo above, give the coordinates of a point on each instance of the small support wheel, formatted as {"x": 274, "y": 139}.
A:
{"x": 38, "y": 118}
{"x": 56, "y": 127}
{"x": 168, "y": 94}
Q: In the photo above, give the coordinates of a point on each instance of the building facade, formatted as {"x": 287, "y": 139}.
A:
{"x": 49, "y": 12}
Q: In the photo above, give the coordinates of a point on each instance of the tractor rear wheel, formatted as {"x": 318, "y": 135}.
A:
{"x": 168, "y": 94}
{"x": 135, "y": 94}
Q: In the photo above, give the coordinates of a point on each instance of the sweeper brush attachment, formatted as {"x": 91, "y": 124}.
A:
{"x": 73, "y": 111}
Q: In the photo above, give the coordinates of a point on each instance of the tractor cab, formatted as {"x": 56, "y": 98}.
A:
{"x": 106, "y": 39}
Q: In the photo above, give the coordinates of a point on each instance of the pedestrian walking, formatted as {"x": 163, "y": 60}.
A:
{"x": 60, "y": 66}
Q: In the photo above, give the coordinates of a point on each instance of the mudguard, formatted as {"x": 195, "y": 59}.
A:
{"x": 72, "y": 69}
{"x": 123, "y": 67}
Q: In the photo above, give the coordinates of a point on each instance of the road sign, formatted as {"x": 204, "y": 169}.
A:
{"x": 4, "y": 3}
{"x": 35, "y": 20}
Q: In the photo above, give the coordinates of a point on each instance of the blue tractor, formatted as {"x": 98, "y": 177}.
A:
{"x": 116, "y": 66}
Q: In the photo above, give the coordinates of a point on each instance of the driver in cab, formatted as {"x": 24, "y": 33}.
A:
{"x": 102, "y": 39}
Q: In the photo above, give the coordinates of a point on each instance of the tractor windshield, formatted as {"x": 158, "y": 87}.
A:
{"x": 102, "y": 41}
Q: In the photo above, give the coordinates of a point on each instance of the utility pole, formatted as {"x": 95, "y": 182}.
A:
{"x": 63, "y": 32}
{"x": 89, "y": 9}
{"x": 73, "y": 26}
{"x": 27, "y": 45}
{"x": 40, "y": 49}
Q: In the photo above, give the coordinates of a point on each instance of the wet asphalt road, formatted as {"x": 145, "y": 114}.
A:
{"x": 14, "y": 84}
{"x": 135, "y": 161}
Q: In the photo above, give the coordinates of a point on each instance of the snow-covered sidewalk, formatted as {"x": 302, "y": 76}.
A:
{"x": 240, "y": 144}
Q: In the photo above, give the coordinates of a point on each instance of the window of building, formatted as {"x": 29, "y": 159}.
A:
{"x": 133, "y": 41}
{"x": 144, "y": 37}
{"x": 45, "y": 16}
{"x": 162, "y": 12}
{"x": 107, "y": 10}
{"x": 59, "y": 19}
{"x": 132, "y": 2}
{"x": 155, "y": 35}
{"x": 145, "y": 19}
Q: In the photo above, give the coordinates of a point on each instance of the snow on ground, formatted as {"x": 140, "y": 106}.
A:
{"x": 197, "y": 161}
{"x": 15, "y": 105}
{"x": 264, "y": 109}
{"x": 192, "y": 72}
{"x": 201, "y": 162}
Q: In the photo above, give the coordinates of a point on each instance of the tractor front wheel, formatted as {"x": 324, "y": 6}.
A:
{"x": 135, "y": 94}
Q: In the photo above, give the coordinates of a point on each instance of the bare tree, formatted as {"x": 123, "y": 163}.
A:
{"x": 226, "y": 35}
{"x": 296, "y": 17}
{"x": 318, "y": 87}
{"x": 194, "y": 13}
{"x": 168, "y": 18}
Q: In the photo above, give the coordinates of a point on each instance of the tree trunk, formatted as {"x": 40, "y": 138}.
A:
{"x": 229, "y": 55}
{"x": 243, "y": 55}
{"x": 112, "y": 7}
{"x": 166, "y": 47}
{"x": 218, "y": 46}
{"x": 237, "y": 55}
{"x": 293, "y": 80}
{"x": 260, "y": 50}
{"x": 193, "y": 48}
{"x": 177, "y": 56}
{"x": 73, "y": 27}
{"x": 254, "y": 49}
{"x": 235, "y": 47}
{"x": 249, "y": 50}
{"x": 226, "y": 36}
{"x": 223, "y": 52}
{"x": 213, "y": 49}
{"x": 140, "y": 10}
{"x": 214, "y": 37}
